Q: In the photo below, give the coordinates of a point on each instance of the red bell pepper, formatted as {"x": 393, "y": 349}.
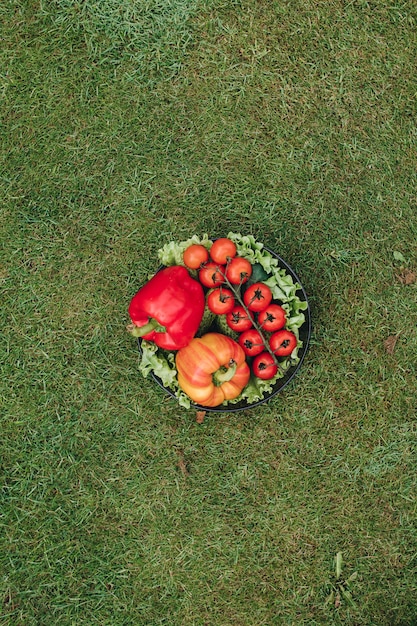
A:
{"x": 168, "y": 309}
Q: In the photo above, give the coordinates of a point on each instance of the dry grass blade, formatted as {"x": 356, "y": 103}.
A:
{"x": 182, "y": 464}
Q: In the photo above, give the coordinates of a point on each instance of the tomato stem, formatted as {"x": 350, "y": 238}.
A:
{"x": 238, "y": 297}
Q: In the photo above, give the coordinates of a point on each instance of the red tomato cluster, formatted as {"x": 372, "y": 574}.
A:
{"x": 222, "y": 265}
{"x": 222, "y": 261}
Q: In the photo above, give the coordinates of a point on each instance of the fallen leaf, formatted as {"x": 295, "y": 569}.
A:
{"x": 390, "y": 342}
{"x": 182, "y": 463}
{"x": 199, "y": 417}
{"x": 407, "y": 277}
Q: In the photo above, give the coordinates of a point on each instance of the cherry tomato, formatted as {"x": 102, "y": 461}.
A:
{"x": 195, "y": 255}
{"x": 222, "y": 250}
{"x": 264, "y": 366}
{"x": 282, "y": 342}
{"x": 210, "y": 274}
{"x": 272, "y": 318}
{"x": 238, "y": 270}
{"x": 221, "y": 300}
{"x": 251, "y": 342}
{"x": 238, "y": 319}
{"x": 257, "y": 297}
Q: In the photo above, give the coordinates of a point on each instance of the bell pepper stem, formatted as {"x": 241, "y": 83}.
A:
{"x": 141, "y": 331}
{"x": 224, "y": 374}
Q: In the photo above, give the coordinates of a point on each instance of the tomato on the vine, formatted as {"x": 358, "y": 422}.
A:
{"x": 257, "y": 296}
{"x": 238, "y": 319}
{"x": 251, "y": 342}
{"x": 283, "y": 342}
{"x": 272, "y": 318}
{"x": 195, "y": 255}
{"x": 211, "y": 274}
{"x": 220, "y": 300}
{"x": 264, "y": 366}
{"x": 222, "y": 250}
{"x": 238, "y": 270}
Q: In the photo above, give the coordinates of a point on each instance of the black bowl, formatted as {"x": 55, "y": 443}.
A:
{"x": 304, "y": 333}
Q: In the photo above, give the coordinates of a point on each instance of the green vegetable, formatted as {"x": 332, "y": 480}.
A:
{"x": 206, "y": 322}
{"x": 224, "y": 328}
{"x": 258, "y": 275}
{"x": 281, "y": 283}
{"x": 160, "y": 362}
{"x": 172, "y": 252}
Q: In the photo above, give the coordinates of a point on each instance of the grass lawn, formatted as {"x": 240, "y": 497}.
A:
{"x": 128, "y": 124}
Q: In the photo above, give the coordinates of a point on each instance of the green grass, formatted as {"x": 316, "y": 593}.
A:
{"x": 125, "y": 125}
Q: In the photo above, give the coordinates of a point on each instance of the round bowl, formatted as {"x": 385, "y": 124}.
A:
{"x": 281, "y": 383}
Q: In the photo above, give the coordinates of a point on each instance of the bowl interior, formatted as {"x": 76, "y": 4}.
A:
{"x": 304, "y": 333}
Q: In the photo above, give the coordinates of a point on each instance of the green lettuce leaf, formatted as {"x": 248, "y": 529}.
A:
{"x": 172, "y": 252}
{"x": 162, "y": 364}
{"x": 257, "y": 389}
{"x": 295, "y": 322}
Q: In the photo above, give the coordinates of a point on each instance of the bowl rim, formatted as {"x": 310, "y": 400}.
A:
{"x": 282, "y": 382}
